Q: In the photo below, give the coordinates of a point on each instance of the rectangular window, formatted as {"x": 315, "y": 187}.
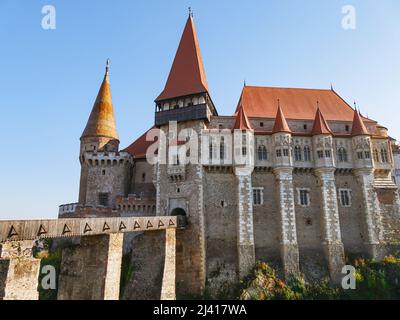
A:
{"x": 367, "y": 155}
{"x": 345, "y": 197}
{"x": 320, "y": 154}
{"x": 327, "y": 153}
{"x": 286, "y": 152}
{"x": 304, "y": 197}
{"x": 258, "y": 196}
{"x": 103, "y": 199}
{"x": 359, "y": 155}
{"x": 278, "y": 153}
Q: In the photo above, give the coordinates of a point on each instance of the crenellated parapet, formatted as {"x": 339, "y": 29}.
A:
{"x": 107, "y": 159}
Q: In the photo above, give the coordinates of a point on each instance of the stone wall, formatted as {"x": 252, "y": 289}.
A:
{"x": 19, "y": 271}
{"x": 91, "y": 271}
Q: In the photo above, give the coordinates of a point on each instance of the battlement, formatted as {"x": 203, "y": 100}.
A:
{"x": 135, "y": 203}
{"x": 107, "y": 158}
{"x": 75, "y": 210}
{"x": 67, "y": 208}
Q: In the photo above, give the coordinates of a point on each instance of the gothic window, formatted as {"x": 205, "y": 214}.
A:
{"x": 286, "y": 152}
{"x": 210, "y": 151}
{"x": 376, "y": 155}
{"x": 304, "y": 197}
{"x": 320, "y": 154}
{"x": 307, "y": 153}
{"x": 297, "y": 153}
{"x": 367, "y": 155}
{"x": 327, "y": 153}
{"x": 262, "y": 153}
{"x": 103, "y": 199}
{"x": 258, "y": 196}
{"x": 384, "y": 155}
{"x": 278, "y": 153}
{"x": 222, "y": 149}
{"x": 342, "y": 155}
{"x": 360, "y": 155}
{"x": 345, "y": 197}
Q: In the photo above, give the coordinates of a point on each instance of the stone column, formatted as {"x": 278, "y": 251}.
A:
{"x": 332, "y": 241}
{"x": 168, "y": 289}
{"x": 92, "y": 271}
{"x": 245, "y": 239}
{"x": 19, "y": 271}
{"x": 372, "y": 222}
{"x": 289, "y": 246}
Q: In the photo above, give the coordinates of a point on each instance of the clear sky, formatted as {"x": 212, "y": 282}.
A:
{"x": 50, "y": 78}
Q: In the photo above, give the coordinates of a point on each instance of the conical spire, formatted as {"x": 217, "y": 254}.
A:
{"x": 101, "y": 120}
{"x": 280, "y": 122}
{"x": 320, "y": 125}
{"x": 187, "y": 75}
{"x": 242, "y": 122}
{"x": 359, "y": 127}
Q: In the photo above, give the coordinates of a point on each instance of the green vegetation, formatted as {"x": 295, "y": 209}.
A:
{"x": 126, "y": 272}
{"x": 52, "y": 258}
{"x": 374, "y": 280}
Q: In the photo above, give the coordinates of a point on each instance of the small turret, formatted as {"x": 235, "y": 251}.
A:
{"x": 282, "y": 136}
{"x": 322, "y": 142}
{"x": 361, "y": 143}
{"x": 100, "y": 133}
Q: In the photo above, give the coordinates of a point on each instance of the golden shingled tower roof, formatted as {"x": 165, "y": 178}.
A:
{"x": 101, "y": 120}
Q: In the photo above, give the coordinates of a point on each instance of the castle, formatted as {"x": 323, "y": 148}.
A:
{"x": 312, "y": 183}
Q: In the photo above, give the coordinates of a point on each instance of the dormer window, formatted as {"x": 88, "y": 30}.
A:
{"x": 261, "y": 124}
{"x": 305, "y": 127}
{"x": 347, "y": 128}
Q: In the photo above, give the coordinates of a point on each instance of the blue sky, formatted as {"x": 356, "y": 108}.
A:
{"x": 50, "y": 78}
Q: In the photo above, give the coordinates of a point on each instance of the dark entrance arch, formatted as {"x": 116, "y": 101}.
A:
{"x": 178, "y": 212}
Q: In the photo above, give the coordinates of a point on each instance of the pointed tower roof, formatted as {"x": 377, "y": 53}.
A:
{"x": 242, "y": 122}
{"x": 101, "y": 120}
{"x": 187, "y": 75}
{"x": 320, "y": 125}
{"x": 359, "y": 127}
{"x": 280, "y": 122}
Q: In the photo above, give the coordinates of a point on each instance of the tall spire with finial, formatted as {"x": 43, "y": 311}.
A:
{"x": 187, "y": 75}
{"x": 101, "y": 121}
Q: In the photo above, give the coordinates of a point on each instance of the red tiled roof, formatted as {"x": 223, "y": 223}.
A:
{"x": 187, "y": 74}
{"x": 242, "y": 122}
{"x": 280, "y": 124}
{"x": 320, "y": 125}
{"x": 139, "y": 147}
{"x": 359, "y": 127}
{"x": 260, "y": 102}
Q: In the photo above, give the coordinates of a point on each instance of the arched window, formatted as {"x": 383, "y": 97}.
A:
{"x": 384, "y": 155}
{"x": 307, "y": 153}
{"x": 297, "y": 153}
{"x": 376, "y": 155}
{"x": 262, "y": 153}
{"x": 342, "y": 155}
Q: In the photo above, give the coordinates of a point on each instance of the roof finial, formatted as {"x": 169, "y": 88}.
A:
{"x": 332, "y": 87}
{"x": 244, "y": 82}
{"x": 279, "y": 103}
{"x": 107, "y": 64}
{"x": 355, "y": 105}
{"x": 317, "y": 104}
{"x": 190, "y": 12}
